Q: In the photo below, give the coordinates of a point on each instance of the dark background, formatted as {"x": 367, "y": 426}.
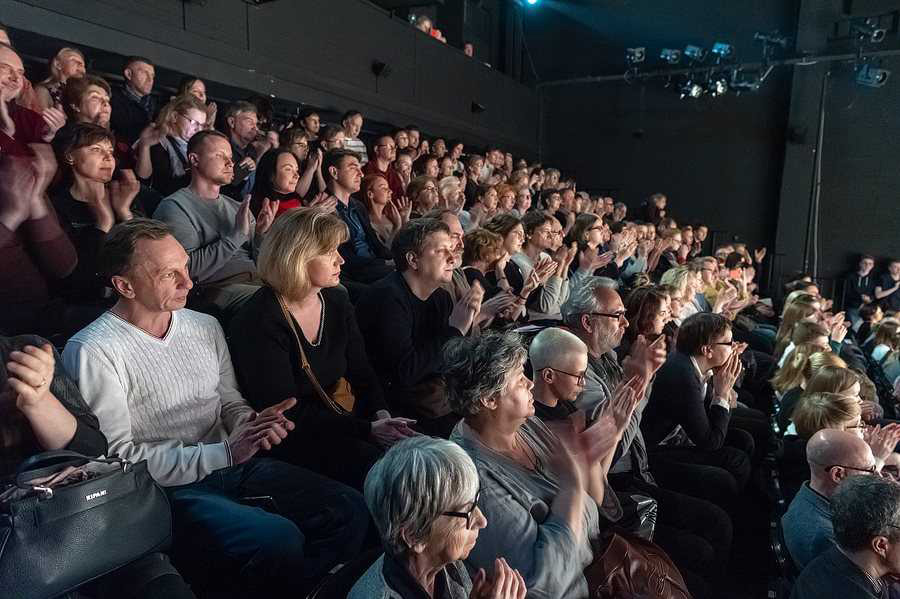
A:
{"x": 742, "y": 164}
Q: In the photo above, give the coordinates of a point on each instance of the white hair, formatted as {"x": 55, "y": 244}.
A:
{"x": 583, "y": 299}
{"x": 553, "y": 343}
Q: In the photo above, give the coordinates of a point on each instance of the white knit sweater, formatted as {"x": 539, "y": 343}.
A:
{"x": 169, "y": 401}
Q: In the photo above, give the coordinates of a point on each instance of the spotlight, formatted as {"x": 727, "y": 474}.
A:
{"x": 772, "y": 39}
{"x": 722, "y": 50}
{"x": 691, "y": 89}
{"x": 381, "y": 69}
{"x": 670, "y": 55}
{"x": 695, "y": 53}
{"x": 869, "y": 31}
{"x": 717, "y": 86}
{"x": 635, "y": 55}
{"x": 531, "y": 2}
{"x": 477, "y": 108}
{"x": 871, "y": 76}
{"x": 744, "y": 82}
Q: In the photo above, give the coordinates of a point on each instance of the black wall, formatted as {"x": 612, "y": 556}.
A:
{"x": 718, "y": 160}
{"x": 312, "y": 51}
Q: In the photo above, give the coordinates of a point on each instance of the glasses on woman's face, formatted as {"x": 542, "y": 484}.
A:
{"x": 469, "y": 515}
{"x": 191, "y": 122}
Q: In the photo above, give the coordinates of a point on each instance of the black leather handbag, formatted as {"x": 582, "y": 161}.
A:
{"x": 54, "y": 540}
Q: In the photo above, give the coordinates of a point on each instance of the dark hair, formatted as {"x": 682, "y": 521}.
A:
{"x": 583, "y": 223}
{"x": 534, "y": 219}
{"x": 118, "y": 246}
{"x": 411, "y": 238}
{"x": 75, "y": 88}
{"x": 265, "y": 173}
{"x": 422, "y": 162}
{"x": 200, "y": 137}
{"x": 482, "y": 190}
{"x": 409, "y": 128}
{"x": 641, "y": 307}
{"x": 335, "y": 158}
{"x": 306, "y": 113}
{"x": 80, "y": 135}
{"x": 867, "y": 311}
{"x": 133, "y": 59}
{"x": 699, "y": 330}
{"x": 864, "y": 507}
{"x": 241, "y": 106}
{"x": 289, "y": 136}
{"x": 502, "y": 224}
{"x": 350, "y": 114}
{"x": 329, "y": 132}
{"x": 734, "y": 260}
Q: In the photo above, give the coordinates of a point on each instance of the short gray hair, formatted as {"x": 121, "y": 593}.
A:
{"x": 865, "y": 507}
{"x": 553, "y": 343}
{"x": 415, "y": 482}
{"x": 583, "y": 299}
{"x": 476, "y": 368}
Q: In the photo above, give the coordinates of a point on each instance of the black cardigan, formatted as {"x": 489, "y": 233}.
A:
{"x": 87, "y": 439}
{"x": 267, "y": 364}
{"x": 677, "y": 399}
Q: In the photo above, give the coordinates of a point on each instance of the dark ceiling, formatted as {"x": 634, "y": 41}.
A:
{"x": 576, "y": 38}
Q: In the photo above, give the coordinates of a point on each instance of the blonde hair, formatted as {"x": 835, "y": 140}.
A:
{"x": 803, "y": 306}
{"x": 817, "y": 411}
{"x": 177, "y": 105}
{"x": 800, "y": 364}
{"x": 679, "y": 278}
{"x": 53, "y": 67}
{"x": 296, "y": 237}
{"x": 831, "y": 379}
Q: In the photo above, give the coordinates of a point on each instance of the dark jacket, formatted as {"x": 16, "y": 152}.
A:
{"x": 678, "y": 399}
{"x": 833, "y": 576}
{"x": 15, "y": 428}
{"x": 858, "y": 286}
{"x": 363, "y": 269}
{"x": 129, "y": 117}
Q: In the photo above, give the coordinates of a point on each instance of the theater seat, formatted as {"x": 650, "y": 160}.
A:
{"x": 338, "y": 584}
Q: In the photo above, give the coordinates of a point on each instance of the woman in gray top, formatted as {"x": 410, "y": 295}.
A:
{"x": 423, "y": 495}
{"x": 542, "y": 490}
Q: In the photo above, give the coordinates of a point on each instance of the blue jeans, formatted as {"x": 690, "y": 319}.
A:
{"x": 312, "y": 524}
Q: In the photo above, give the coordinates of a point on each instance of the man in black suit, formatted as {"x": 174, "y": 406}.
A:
{"x": 366, "y": 258}
{"x": 687, "y": 418}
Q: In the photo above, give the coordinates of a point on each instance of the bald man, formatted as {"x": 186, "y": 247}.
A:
{"x": 833, "y": 455}
{"x": 559, "y": 360}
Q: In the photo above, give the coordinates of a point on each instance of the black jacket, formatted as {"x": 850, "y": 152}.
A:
{"x": 858, "y": 286}
{"x": 364, "y": 269}
{"x": 677, "y": 399}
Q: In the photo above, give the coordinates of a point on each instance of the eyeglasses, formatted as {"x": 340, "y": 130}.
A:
{"x": 873, "y": 469}
{"x": 300, "y": 144}
{"x": 467, "y": 515}
{"x": 615, "y": 315}
{"x": 191, "y": 121}
{"x": 728, "y": 343}
{"x": 579, "y": 378}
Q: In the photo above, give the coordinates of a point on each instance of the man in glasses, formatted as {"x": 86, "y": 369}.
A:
{"x": 559, "y": 361}
{"x": 833, "y": 456}
{"x": 381, "y": 163}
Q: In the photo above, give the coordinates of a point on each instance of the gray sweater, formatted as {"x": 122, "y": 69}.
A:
{"x": 520, "y": 526}
{"x": 373, "y": 585}
{"x": 217, "y": 249}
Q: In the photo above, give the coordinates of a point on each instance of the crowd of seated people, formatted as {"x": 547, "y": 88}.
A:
{"x": 508, "y": 372}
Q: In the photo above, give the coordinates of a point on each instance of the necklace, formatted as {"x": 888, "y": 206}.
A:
{"x": 318, "y": 340}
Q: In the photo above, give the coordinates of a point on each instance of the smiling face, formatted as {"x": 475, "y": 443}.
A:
{"x": 94, "y": 162}
{"x": 379, "y": 192}
{"x": 12, "y": 75}
{"x": 287, "y": 173}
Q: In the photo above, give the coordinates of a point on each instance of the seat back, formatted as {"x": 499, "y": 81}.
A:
{"x": 337, "y": 585}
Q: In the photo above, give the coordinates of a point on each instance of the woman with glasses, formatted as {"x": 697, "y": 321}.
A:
{"x": 424, "y": 498}
{"x": 162, "y": 148}
{"x": 297, "y": 141}
{"x": 423, "y": 193}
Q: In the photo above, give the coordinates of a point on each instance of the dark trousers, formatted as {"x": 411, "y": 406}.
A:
{"x": 695, "y": 533}
{"x": 312, "y": 524}
{"x": 717, "y": 475}
{"x": 150, "y": 577}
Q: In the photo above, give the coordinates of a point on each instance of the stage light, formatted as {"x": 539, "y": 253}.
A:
{"x": 744, "y": 82}
{"x": 718, "y": 86}
{"x": 691, "y": 89}
{"x": 869, "y": 31}
{"x": 871, "y": 76}
{"x": 531, "y": 2}
{"x": 771, "y": 39}
{"x": 722, "y": 50}
{"x": 670, "y": 55}
{"x": 695, "y": 53}
{"x": 635, "y": 55}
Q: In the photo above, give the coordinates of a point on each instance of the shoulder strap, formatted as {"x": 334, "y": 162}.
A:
{"x": 304, "y": 363}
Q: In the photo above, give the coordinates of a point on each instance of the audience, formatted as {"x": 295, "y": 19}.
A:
{"x": 426, "y": 540}
{"x": 352, "y": 123}
{"x": 241, "y": 120}
{"x": 20, "y": 126}
{"x": 133, "y": 104}
{"x": 67, "y": 63}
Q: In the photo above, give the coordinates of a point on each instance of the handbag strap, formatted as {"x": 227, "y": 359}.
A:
{"x": 48, "y": 463}
{"x": 304, "y": 363}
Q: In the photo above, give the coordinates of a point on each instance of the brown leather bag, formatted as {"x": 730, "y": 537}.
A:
{"x": 631, "y": 568}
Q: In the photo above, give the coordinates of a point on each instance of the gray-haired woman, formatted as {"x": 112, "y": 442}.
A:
{"x": 423, "y": 495}
{"x": 543, "y": 490}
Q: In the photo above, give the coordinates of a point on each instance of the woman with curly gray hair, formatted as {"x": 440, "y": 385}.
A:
{"x": 423, "y": 496}
{"x": 542, "y": 490}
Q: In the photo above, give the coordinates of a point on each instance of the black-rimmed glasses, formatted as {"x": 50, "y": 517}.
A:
{"x": 615, "y": 315}
{"x": 467, "y": 515}
{"x": 580, "y": 378}
{"x": 873, "y": 469}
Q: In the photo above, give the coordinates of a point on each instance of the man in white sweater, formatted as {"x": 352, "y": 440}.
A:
{"x": 160, "y": 380}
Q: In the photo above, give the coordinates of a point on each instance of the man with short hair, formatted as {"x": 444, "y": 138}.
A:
{"x": 688, "y": 415}
{"x": 833, "y": 456}
{"x": 888, "y": 289}
{"x": 160, "y": 380}
{"x": 20, "y": 126}
{"x": 620, "y": 210}
{"x": 863, "y": 563}
{"x": 559, "y": 361}
{"x": 366, "y": 258}
{"x": 407, "y": 317}
{"x": 414, "y": 135}
{"x": 241, "y": 120}
{"x": 860, "y": 288}
{"x": 384, "y": 152}
{"x": 220, "y": 235}
{"x": 696, "y": 533}
{"x": 309, "y": 122}
{"x": 474, "y": 164}
{"x": 352, "y": 122}
{"x": 133, "y": 105}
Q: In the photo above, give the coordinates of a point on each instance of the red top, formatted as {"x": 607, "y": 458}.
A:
{"x": 30, "y": 129}
{"x": 390, "y": 175}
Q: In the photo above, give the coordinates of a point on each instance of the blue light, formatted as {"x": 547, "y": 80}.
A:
{"x": 531, "y": 2}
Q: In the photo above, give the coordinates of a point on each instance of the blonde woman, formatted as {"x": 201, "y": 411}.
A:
{"x": 685, "y": 285}
{"x": 67, "y": 64}
{"x": 802, "y": 307}
{"x": 301, "y": 314}
{"x": 793, "y": 378}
